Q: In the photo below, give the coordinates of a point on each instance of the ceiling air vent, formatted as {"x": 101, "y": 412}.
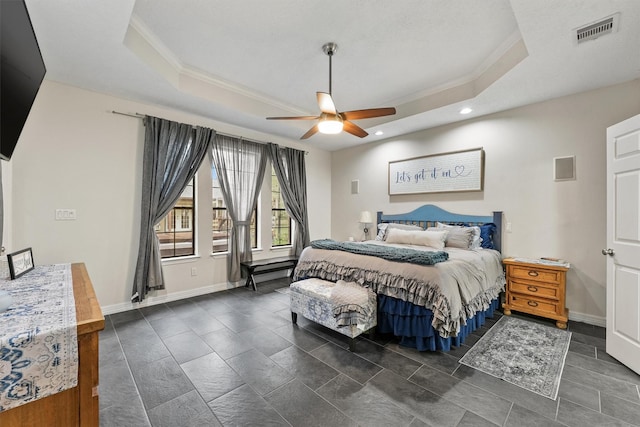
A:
{"x": 593, "y": 31}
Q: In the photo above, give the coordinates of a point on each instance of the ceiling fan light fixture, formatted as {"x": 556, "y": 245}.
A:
{"x": 330, "y": 125}
{"x": 331, "y": 121}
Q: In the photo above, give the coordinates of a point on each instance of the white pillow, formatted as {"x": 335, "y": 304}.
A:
{"x": 432, "y": 238}
{"x": 458, "y": 237}
{"x": 443, "y": 225}
{"x": 476, "y": 243}
{"x": 476, "y": 240}
{"x": 382, "y": 229}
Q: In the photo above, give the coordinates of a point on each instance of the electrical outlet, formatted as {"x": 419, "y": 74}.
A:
{"x": 194, "y": 271}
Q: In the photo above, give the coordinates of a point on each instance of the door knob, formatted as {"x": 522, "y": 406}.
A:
{"x": 609, "y": 252}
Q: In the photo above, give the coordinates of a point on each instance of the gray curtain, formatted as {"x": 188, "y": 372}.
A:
{"x": 172, "y": 154}
{"x": 289, "y": 166}
{"x": 1, "y": 212}
{"x": 240, "y": 166}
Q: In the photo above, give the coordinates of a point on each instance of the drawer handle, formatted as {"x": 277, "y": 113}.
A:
{"x": 532, "y": 303}
{"x": 532, "y": 288}
{"x": 533, "y": 273}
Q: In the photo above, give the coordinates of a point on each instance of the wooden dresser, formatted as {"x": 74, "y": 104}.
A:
{"x": 537, "y": 289}
{"x": 76, "y": 406}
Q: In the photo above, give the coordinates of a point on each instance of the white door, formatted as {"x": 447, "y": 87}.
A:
{"x": 623, "y": 242}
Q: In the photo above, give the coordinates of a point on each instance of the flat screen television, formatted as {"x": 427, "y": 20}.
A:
{"x": 21, "y": 72}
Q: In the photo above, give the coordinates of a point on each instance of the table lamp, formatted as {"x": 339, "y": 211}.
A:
{"x": 365, "y": 219}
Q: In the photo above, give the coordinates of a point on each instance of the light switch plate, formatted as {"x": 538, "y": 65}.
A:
{"x": 66, "y": 215}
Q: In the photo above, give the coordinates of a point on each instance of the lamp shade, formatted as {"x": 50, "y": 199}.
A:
{"x": 366, "y": 217}
{"x": 330, "y": 125}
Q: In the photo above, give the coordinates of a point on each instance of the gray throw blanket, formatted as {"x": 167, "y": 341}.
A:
{"x": 389, "y": 253}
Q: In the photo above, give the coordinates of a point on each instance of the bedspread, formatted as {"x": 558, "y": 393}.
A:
{"x": 453, "y": 290}
{"x": 352, "y": 303}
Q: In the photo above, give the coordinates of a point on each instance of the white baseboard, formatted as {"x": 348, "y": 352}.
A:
{"x": 588, "y": 318}
{"x": 173, "y": 296}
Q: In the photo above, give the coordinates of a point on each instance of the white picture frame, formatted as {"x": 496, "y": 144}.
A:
{"x": 438, "y": 173}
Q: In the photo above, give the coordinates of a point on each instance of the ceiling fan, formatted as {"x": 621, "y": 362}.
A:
{"x": 331, "y": 121}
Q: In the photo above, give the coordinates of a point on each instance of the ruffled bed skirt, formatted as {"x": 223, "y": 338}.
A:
{"x": 412, "y": 324}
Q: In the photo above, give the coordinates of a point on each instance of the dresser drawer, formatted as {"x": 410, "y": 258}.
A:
{"x": 537, "y": 274}
{"x": 533, "y": 306}
{"x": 534, "y": 289}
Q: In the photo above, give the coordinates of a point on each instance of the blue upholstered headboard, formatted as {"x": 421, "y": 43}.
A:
{"x": 427, "y": 216}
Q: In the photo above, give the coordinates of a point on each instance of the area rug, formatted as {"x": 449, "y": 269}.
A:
{"x": 523, "y": 353}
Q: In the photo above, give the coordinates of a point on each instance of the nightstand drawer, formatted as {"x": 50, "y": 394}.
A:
{"x": 534, "y": 289}
{"x": 534, "y": 306}
{"x": 537, "y": 274}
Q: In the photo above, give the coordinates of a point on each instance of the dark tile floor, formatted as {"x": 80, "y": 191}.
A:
{"x": 233, "y": 358}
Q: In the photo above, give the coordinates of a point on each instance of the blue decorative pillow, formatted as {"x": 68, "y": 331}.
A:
{"x": 486, "y": 234}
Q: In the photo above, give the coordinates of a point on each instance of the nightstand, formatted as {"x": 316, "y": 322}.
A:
{"x": 536, "y": 288}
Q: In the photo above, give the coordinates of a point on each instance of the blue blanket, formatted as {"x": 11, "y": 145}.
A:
{"x": 389, "y": 253}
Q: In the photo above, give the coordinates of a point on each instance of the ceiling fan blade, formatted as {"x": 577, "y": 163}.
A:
{"x": 368, "y": 114}
{"x": 325, "y": 102}
{"x": 310, "y": 132}
{"x": 353, "y": 129}
{"x": 294, "y": 118}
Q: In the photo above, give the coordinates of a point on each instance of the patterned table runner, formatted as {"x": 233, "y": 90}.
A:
{"x": 38, "y": 336}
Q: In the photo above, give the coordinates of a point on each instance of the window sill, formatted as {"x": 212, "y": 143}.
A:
{"x": 180, "y": 260}
{"x": 224, "y": 254}
{"x": 219, "y": 254}
{"x": 281, "y": 248}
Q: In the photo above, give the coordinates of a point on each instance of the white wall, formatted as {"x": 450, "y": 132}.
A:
{"x": 74, "y": 153}
{"x": 561, "y": 219}
{"x": 7, "y": 197}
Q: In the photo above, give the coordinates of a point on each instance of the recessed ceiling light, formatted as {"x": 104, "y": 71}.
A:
{"x": 379, "y": 132}
{"x": 466, "y": 110}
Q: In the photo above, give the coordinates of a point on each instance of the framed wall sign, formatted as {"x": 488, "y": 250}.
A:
{"x": 438, "y": 173}
{"x": 20, "y": 262}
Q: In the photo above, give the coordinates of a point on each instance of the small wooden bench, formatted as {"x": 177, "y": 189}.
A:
{"x": 262, "y": 266}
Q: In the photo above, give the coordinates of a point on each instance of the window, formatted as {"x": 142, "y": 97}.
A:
{"x": 185, "y": 217}
{"x": 176, "y": 231}
{"x": 280, "y": 220}
{"x": 221, "y": 226}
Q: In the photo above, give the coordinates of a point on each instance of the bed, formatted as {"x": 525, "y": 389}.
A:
{"x": 430, "y": 307}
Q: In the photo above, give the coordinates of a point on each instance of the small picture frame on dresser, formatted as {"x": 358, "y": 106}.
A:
{"x": 20, "y": 262}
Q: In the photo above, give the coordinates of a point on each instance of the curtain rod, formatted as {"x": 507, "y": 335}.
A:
{"x": 135, "y": 115}
{"x": 141, "y": 116}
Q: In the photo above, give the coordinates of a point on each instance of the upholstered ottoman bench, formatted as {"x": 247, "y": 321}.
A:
{"x": 344, "y": 307}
